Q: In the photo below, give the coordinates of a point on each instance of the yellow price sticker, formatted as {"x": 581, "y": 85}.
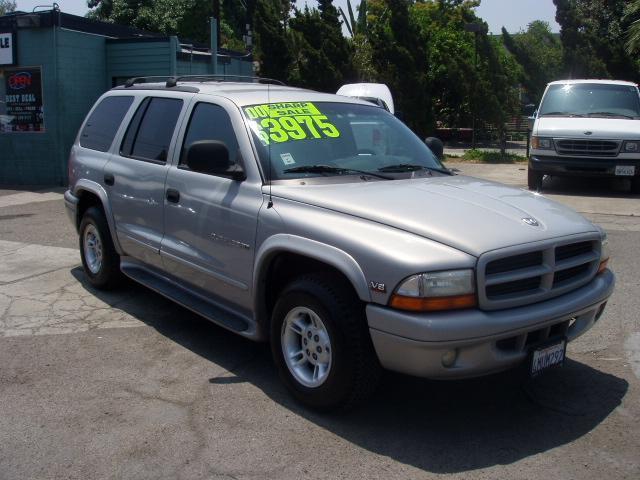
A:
{"x": 284, "y": 122}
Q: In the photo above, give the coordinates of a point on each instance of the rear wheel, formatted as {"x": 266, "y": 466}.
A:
{"x": 534, "y": 180}
{"x": 100, "y": 260}
{"x": 321, "y": 344}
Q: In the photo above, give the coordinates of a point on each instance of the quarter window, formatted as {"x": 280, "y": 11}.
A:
{"x": 149, "y": 134}
{"x": 102, "y": 125}
{"x": 210, "y": 122}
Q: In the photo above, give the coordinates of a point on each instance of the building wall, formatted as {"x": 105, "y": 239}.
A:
{"x": 141, "y": 58}
{"x": 25, "y": 158}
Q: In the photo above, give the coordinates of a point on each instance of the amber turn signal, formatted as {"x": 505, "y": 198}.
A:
{"x": 430, "y": 304}
{"x": 603, "y": 265}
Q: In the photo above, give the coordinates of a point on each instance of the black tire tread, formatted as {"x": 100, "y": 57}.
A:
{"x": 110, "y": 276}
{"x": 330, "y": 288}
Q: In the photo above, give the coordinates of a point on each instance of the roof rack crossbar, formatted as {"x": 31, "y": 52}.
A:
{"x": 173, "y": 81}
{"x": 132, "y": 81}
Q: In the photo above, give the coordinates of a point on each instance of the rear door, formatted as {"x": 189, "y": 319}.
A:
{"x": 136, "y": 174}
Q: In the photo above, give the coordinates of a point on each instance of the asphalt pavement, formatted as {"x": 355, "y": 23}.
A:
{"x": 128, "y": 385}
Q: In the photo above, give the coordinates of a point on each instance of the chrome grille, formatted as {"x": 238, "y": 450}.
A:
{"x": 522, "y": 275}
{"x": 578, "y": 147}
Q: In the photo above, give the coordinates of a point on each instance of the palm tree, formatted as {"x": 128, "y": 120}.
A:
{"x": 633, "y": 34}
{"x": 355, "y": 26}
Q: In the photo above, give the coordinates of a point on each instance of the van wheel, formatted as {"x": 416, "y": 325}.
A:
{"x": 321, "y": 344}
{"x": 100, "y": 260}
{"x": 534, "y": 180}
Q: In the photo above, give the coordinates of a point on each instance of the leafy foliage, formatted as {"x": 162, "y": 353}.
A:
{"x": 539, "y": 53}
{"x": 7, "y": 6}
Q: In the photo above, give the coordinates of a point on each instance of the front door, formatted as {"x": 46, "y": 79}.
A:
{"x": 210, "y": 221}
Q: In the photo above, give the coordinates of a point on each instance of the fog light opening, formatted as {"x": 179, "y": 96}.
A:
{"x": 449, "y": 358}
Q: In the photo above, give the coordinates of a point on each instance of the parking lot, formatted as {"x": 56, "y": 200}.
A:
{"x": 127, "y": 384}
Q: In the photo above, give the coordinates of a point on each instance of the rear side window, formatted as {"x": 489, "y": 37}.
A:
{"x": 149, "y": 134}
{"x": 101, "y": 128}
{"x": 210, "y": 122}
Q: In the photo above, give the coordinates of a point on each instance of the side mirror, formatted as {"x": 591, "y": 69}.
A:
{"x": 211, "y": 157}
{"x": 436, "y": 146}
{"x": 530, "y": 121}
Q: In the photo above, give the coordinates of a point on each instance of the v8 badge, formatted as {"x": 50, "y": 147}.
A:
{"x": 378, "y": 287}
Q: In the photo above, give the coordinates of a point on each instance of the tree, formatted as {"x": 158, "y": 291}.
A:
{"x": 539, "y": 53}
{"x": 593, "y": 39}
{"x": 7, "y": 6}
{"x": 188, "y": 19}
{"x": 271, "y": 25}
{"x": 633, "y": 34}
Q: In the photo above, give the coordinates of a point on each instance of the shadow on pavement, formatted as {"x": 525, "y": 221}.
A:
{"x": 589, "y": 187}
{"x": 440, "y": 427}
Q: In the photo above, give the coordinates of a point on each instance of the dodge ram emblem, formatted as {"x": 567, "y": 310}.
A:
{"x": 530, "y": 221}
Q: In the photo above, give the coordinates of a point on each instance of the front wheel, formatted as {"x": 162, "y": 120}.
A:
{"x": 100, "y": 260}
{"x": 321, "y": 344}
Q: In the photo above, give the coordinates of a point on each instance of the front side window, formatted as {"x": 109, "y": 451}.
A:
{"x": 102, "y": 125}
{"x": 591, "y": 100}
{"x": 314, "y": 139}
{"x": 210, "y": 122}
{"x": 149, "y": 134}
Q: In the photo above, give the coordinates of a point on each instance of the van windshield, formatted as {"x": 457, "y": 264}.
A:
{"x": 319, "y": 139}
{"x": 591, "y": 100}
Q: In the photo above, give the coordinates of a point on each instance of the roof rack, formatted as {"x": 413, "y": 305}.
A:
{"x": 132, "y": 81}
{"x": 173, "y": 81}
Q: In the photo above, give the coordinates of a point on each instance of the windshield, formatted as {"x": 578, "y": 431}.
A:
{"x": 591, "y": 100}
{"x": 320, "y": 139}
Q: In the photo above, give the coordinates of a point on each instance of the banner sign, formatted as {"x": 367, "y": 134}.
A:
{"x": 23, "y": 100}
{"x": 7, "y": 49}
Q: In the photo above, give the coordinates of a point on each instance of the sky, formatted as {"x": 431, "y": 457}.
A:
{"x": 514, "y": 15}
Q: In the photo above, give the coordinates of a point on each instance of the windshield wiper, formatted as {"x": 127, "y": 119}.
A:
{"x": 611, "y": 114}
{"x": 330, "y": 169}
{"x": 411, "y": 167}
{"x": 564, "y": 114}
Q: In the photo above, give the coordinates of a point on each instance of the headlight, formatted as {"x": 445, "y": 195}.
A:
{"x": 632, "y": 147}
{"x": 445, "y": 290}
{"x": 541, "y": 143}
{"x": 604, "y": 253}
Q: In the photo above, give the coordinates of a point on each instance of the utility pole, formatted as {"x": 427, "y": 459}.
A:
{"x": 216, "y": 15}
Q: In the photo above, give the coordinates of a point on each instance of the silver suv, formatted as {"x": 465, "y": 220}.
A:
{"x": 322, "y": 224}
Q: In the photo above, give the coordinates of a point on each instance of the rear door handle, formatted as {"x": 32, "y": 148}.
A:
{"x": 109, "y": 179}
{"x": 173, "y": 195}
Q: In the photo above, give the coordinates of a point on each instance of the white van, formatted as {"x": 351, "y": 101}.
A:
{"x": 586, "y": 128}
{"x": 377, "y": 93}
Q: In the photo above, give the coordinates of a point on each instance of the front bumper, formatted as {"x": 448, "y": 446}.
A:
{"x": 484, "y": 342}
{"x": 580, "y": 166}
{"x": 71, "y": 203}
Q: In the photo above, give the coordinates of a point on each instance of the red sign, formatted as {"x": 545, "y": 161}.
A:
{"x": 20, "y": 80}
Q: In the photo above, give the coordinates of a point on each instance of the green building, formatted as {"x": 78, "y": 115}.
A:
{"x": 53, "y": 66}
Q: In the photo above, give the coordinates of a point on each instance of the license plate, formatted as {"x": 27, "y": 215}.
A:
{"x": 625, "y": 170}
{"x": 547, "y": 356}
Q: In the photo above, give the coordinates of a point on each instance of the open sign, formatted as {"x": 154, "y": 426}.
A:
{"x": 20, "y": 80}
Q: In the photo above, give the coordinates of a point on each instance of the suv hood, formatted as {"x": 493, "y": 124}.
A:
{"x": 466, "y": 213}
{"x": 605, "y": 128}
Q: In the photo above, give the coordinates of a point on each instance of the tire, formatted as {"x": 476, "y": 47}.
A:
{"x": 635, "y": 185}
{"x": 332, "y": 317}
{"x": 534, "y": 180}
{"x": 100, "y": 260}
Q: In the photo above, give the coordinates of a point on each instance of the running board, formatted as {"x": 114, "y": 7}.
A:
{"x": 193, "y": 302}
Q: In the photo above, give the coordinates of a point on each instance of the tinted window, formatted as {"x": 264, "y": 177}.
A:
{"x": 150, "y": 131}
{"x": 210, "y": 122}
{"x": 103, "y": 123}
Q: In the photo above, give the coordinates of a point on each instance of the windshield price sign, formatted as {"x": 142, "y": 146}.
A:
{"x": 284, "y": 122}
